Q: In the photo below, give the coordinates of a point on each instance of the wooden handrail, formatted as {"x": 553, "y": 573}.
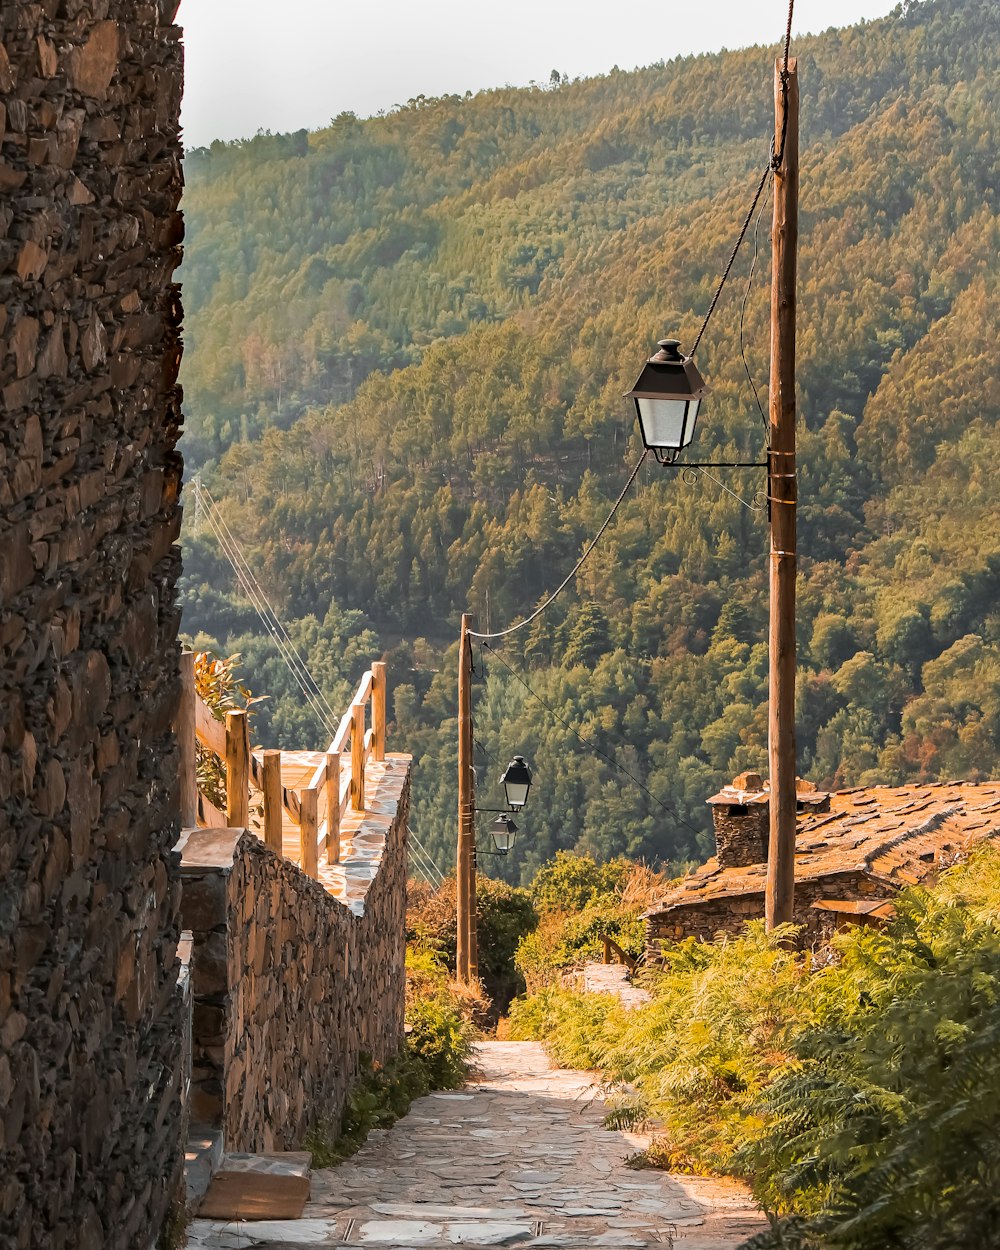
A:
{"x": 324, "y": 800}
{"x": 611, "y": 945}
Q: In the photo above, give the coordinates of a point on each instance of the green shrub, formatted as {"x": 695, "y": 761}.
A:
{"x": 504, "y": 915}
{"x": 441, "y": 1040}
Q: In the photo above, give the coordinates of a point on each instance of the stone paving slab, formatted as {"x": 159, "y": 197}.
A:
{"x": 520, "y": 1159}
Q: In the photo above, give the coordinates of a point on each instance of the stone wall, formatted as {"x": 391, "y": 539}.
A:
{"x": 290, "y": 985}
{"x": 741, "y": 834}
{"x": 728, "y": 914}
{"x": 90, "y": 1023}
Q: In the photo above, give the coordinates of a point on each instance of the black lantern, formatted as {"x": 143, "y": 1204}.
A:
{"x": 504, "y": 832}
{"x": 516, "y": 782}
{"x": 667, "y": 397}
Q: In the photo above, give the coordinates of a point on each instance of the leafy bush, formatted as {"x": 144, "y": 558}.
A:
{"x": 579, "y": 902}
{"x": 504, "y": 915}
{"x": 861, "y": 1099}
{"x": 440, "y": 1038}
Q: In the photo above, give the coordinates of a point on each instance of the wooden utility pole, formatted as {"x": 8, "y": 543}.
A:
{"x": 779, "y": 898}
{"x": 465, "y": 882}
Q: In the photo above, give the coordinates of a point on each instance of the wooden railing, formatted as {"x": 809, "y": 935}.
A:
{"x": 320, "y": 806}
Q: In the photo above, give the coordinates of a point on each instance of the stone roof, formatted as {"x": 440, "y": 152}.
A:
{"x": 896, "y": 834}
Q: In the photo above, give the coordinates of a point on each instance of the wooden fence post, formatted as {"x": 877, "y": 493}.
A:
{"x": 333, "y": 807}
{"x": 187, "y": 773}
{"x": 358, "y": 756}
{"x": 237, "y": 770}
{"x": 309, "y": 831}
{"x": 273, "y": 815}
{"x": 378, "y": 709}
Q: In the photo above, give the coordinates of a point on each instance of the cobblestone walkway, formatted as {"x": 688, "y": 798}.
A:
{"x": 519, "y": 1158}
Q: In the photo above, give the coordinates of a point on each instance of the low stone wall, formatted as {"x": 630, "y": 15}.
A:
{"x": 704, "y": 920}
{"x": 291, "y": 985}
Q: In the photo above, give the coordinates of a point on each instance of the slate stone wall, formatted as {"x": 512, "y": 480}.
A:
{"x": 290, "y": 985}
{"x": 728, "y": 915}
{"x": 741, "y": 834}
{"x": 90, "y": 1023}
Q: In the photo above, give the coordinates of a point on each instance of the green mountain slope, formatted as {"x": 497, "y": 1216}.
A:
{"x": 407, "y": 343}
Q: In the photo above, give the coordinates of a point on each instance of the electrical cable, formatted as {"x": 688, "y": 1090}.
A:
{"x": 773, "y": 165}
{"x": 579, "y": 564}
{"x": 592, "y": 746}
{"x": 307, "y": 684}
{"x": 743, "y": 312}
{"x": 287, "y": 654}
{"x": 250, "y": 577}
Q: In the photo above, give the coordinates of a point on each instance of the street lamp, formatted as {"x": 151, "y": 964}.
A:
{"x": 504, "y": 834}
{"x": 516, "y": 782}
{"x": 667, "y": 396}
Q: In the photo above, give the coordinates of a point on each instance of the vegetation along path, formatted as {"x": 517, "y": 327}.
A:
{"x": 518, "y": 1158}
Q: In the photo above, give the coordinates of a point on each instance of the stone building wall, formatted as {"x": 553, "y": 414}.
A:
{"x": 741, "y": 834}
{"x": 290, "y": 985}
{"x": 704, "y": 920}
{"x": 90, "y": 1027}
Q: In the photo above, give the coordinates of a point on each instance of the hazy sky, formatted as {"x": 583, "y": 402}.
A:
{"x": 288, "y": 64}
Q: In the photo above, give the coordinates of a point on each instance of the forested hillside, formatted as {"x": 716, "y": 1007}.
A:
{"x": 407, "y": 342}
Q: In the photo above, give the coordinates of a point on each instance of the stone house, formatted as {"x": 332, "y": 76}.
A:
{"x": 855, "y": 849}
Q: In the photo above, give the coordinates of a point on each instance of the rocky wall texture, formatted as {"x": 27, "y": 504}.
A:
{"x": 291, "y": 985}
{"x": 741, "y": 839}
{"x": 90, "y": 1021}
{"x": 729, "y": 914}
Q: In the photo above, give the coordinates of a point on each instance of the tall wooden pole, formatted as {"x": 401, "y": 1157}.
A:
{"x": 464, "y": 860}
{"x": 780, "y": 894}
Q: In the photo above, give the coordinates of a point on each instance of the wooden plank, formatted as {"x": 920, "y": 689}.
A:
{"x": 464, "y": 862}
{"x": 333, "y": 807}
{"x": 345, "y": 795}
{"x": 209, "y": 816}
{"x": 237, "y": 770}
{"x": 378, "y": 708}
{"x": 309, "y": 832}
{"x": 340, "y": 738}
{"x": 185, "y": 728}
{"x": 212, "y": 732}
{"x": 358, "y": 757}
{"x": 779, "y": 895}
{"x": 364, "y": 690}
{"x": 318, "y": 780}
{"x": 273, "y": 806}
{"x": 254, "y": 1196}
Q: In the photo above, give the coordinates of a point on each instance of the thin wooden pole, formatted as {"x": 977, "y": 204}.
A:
{"x": 466, "y": 803}
{"x": 780, "y": 893}
{"x": 187, "y": 772}
{"x": 378, "y": 709}
{"x": 333, "y": 807}
{"x": 358, "y": 756}
{"x": 309, "y": 831}
{"x": 273, "y": 812}
{"x": 237, "y": 770}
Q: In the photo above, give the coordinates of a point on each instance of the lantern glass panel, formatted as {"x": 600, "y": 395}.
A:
{"x": 517, "y": 793}
{"x": 667, "y": 422}
{"x": 504, "y": 839}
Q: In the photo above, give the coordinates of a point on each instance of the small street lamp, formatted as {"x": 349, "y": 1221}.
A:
{"x": 504, "y": 834}
{"x": 667, "y": 397}
{"x": 516, "y": 782}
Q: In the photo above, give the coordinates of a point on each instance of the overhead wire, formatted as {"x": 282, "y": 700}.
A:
{"x": 502, "y": 633}
{"x": 288, "y": 657}
{"x": 250, "y": 577}
{"x": 309, "y": 688}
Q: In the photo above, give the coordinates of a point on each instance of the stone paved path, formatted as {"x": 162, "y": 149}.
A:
{"x": 519, "y": 1158}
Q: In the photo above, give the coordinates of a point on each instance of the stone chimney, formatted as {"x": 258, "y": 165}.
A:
{"x": 740, "y": 814}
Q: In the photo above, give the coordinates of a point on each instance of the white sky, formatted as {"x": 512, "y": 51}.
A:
{"x": 288, "y": 64}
